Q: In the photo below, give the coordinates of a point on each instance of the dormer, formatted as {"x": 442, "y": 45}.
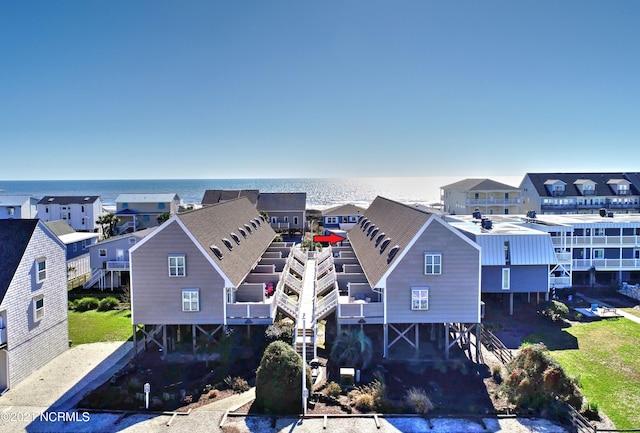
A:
{"x": 555, "y": 187}
{"x": 585, "y": 186}
{"x": 619, "y": 186}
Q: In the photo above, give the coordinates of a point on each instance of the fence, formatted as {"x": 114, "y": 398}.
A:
{"x": 494, "y": 345}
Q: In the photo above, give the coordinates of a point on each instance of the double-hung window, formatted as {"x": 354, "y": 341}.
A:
{"x": 190, "y": 299}
{"x": 41, "y": 269}
{"x": 506, "y": 278}
{"x": 420, "y": 298}
{"x": 38, "y": 308}
{"x": 432, "y": 263}
{"x": 177, "y": 265}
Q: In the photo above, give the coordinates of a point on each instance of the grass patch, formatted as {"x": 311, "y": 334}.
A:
{"x": 95, "y": 326}
{"x": 607, "y": 362}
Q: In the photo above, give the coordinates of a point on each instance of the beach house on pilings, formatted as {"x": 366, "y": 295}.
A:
{"x": 409, "y": 272}
{"x": 203, "y": 270}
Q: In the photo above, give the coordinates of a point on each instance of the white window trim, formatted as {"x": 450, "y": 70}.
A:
{"x": 506, "y": 279}
{"x": 193, "y": 305}
{"x": 41, "y": 274}
{"x": 594, "y": 254}
{"x": 420, "y": 298}
{"x": 436, "y": 268}
{"x": 38, "y": 313}
{"x": 177, "y": 267}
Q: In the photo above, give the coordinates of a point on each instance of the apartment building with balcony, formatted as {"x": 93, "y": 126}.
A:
{"x": 80, "y": 212}
{"x": 484, "y": 195}
{"x": 581, "y": 193}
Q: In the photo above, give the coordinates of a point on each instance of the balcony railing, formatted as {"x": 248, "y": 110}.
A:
{"x": 563, "y": 257}
{"x": 571, "y": 205}
{"x": 560, "y": 282}
{"x": 117, "y": 265}
{"x": 606, "y": 264}
{"x": 250, "y": 310}
{"x": 361, "y": 309}
{"x": 279, "y": 225}
{"x": 493, "y": 201}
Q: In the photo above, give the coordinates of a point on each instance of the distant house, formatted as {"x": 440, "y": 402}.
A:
{"x": 341, "y": 218}
{"x": 141, "y": 211}
{"x": 411, "y": 273}
{"x": 18, "y": 206}
{"x": 109, "y": 259}
{"x": 33, "y": 299}
{"x": 516, "y": 258}
{"x": 581, "y": 193}
{"x": 286, "y": 210}
{"x": 203, "y": 270}
{"x": 484, "y": 195}
{"x": 77, "y": 244}
{"x": 215, "y": 196}
{"x": 80, "y": 212}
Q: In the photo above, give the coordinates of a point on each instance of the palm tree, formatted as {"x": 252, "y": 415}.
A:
{"x": 352, "y": 348}
{"x": 108, "y": 222}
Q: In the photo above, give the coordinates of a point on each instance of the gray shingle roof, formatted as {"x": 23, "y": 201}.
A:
{"x": 211, "y": 224}
{"x": 68, "y": 199}
{"x": 347, "y": 209}
{"x": 213, "y": 196}
{"x": 282, "y": 201}
{"x": 14, "y": 238}
{"x": 479, "y": 185}
{"x": 398, "y": 221}
{"x": 601, "y": 179}
{"x": 60, "y": 227}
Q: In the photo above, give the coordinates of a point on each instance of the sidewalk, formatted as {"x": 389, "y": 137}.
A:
{"x": 624, "y": 314}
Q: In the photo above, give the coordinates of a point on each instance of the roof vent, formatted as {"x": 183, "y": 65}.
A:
{"x": 374, "y": 233}
{"x": 477, "y": 214}
{"x": 87, "y": 198}
{"x": 487, "y": 224}
{"x": 227, "y": 243}
{"x": 217, "y": 251}
{"x": 379, "y": 238}
{"x": 603, "y": 212}
{"x": 363, "y": 221}
{"x": 248, "y": 227}
{"x": 235, "y": 237}
{"x": 392, "y": 253}
{"x": 366, "y": 224}
{"x": 384, "y": 245}
{"x": 371, "y": 228}
{"x": 51, "y": 199}
{"x": 242, "y": 232}
{"x": 253, "y": 223}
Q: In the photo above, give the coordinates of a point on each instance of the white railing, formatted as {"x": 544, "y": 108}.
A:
{"x": 326, "y": 305}
{"x": 601, "y": 240}
{"x": 297, "y": 267}
{"x": 560, "y": 282}
{"x": 326, "y": 282}
{"x": 96, "y": 275}
{"x": 300, "y": 256}
{"x": 324, "y": 255}
{"x": 602, "y": 264}
{"x": 280, "y": 225}
{"x": 123, "y": 227}
{"x": 117, "y": 265}
{"x": 249, "y": 310}
{"x": 493, "y": 201}
{"x": 292, "y": 282}
{"x": 287, "y": 304}
{"x": 563, "y": 257}
{"x": 360, "y": 310}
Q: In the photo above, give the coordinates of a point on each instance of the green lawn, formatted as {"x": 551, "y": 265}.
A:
{"x": 94, "y": 326}
{"x": 607, "y": 362}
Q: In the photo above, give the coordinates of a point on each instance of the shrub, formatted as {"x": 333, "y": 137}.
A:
{"x": 364, "y": 402}
{"x": 496, "y": 373}
{"x": 237, "y": 384}
{"x": 352, "y": 348}
{"x": 555, "y": 310}
{"x": 333, "y": 389}
{"x": 108, "y": 303}
{"x": 590, "y": 411}
{"x": 535, "y": 380}
{"x": 279, "y": 332}
{"x": 279, "y": 380}
{"x": 86, "y": 304}
{"x": 418, "y": 400}
{"x": 376, "y": 390}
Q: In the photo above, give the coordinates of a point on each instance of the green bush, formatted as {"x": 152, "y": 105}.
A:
{"x": 108, "y": 303}
{"x": 352, "y": 348}
{"x": 333, "y": 389}
{"x": 376, "y": 395}
{"x": 535, "y": 380}
{"x": 279, "y": 380}
{"x": 280, "y": 332}
{"x": 237, "y": 384}
{"x": 419, "y": 401}
{"x": 555, "y": 310}
{"x": 86, "y": 304}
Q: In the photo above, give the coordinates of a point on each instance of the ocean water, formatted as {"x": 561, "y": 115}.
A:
{"x": 321, "y": 193}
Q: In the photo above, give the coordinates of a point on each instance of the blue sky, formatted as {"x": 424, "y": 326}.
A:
{"x": 236, "y": 89}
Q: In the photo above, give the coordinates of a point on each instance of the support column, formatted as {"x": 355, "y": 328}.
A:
{"x": 510, "y": 304}
{"x": 164, "y": 342}
{"x": 193, "y": 338}
{"x": 446, "y": 340}
{"x": 385, "y": 333}
{"x": 417, "y": 337}
{"x": 135, "y": 341}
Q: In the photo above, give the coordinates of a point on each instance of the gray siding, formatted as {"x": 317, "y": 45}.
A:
{"x": 523, "y": 279}
{"x": 454, "y": 296}
{"x": 31, "y": 344}
{"x": 157, "y": 298}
